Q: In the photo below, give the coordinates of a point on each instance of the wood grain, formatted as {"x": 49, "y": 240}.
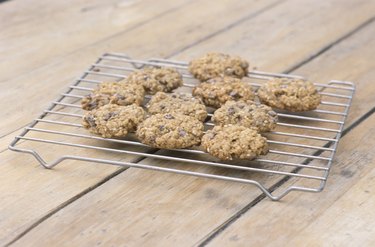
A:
{"x": 156, "y": 217}
{"x": 355, "y": 153}
{"x": 342, "y": 211}
{"x": 151, "y": 39}
{"x": 58, "y": 74}
{"x": 76, "y": 23}
{"x": 349, "y": 221}
{"x": 350, "y": 217}
{"x": 14, "y": 13}
{"x": 279, "y": 39}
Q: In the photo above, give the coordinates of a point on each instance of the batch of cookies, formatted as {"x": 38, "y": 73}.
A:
{"x": 173, "y": 120}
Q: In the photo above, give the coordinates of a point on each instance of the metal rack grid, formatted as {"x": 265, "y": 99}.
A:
{"x": 302, "y": 147}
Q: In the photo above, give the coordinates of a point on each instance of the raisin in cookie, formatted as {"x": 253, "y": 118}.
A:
{"x": 218, "y": 64}
{"x": 119, "y": 93}
{"x": 171, "y": 131}
{"x": 182, "y": 103}
{"x": 113, "y": 120}
{"x": 217, "y": 93}
{"x": 294, "y": 95}
{"x": 157, "y": 79}
{"x": 246, "y": 113}
{"x": 234, "y": 142}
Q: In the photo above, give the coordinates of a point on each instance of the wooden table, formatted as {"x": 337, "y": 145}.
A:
{"x": 45, "y": 44}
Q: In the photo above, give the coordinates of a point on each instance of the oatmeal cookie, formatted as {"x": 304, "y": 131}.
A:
{"x": 170, "y": 130}
{"x": 294, "y": 95}
{"x": 157, "y": 79}
{"x": 246, "y": 113}
{"x": 182, "y": 103}
{"x": 217, "y": 93}
{"x": 218, "y": 64}
{"x": 119, "y": 93}
{"x": 113, "y": 120}
{"x": 234, "y": 142}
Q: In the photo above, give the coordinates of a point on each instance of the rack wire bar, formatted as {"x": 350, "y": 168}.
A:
{"x": 180, "y": 150}
{"x": 314, "y": 138}
{"x": 79, "y": 126}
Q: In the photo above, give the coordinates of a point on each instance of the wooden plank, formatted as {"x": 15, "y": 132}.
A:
{"x": 349, "y": 221}
{"x": 13, "y": 13}
{"x": 30, "y": 181}
{"x": 151, "y": 39}
{"x": 41, "y": 197}
{"x": 276, "y": 41}
{"x": 67, "y": 27}
{"x": 340, "y": 205}
{"x": 172, "y": 206}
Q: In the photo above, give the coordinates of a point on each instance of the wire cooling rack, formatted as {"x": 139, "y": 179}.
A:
{"x": 302, "y": 146}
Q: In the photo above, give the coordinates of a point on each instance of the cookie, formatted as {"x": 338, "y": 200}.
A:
{"x": 217, "y": 93}
{"x": 294, "y": 95}
{"x": 119, "y": 93}
{"x": 157, "y": 79}
{"x": 182, "y": 103}
{"x": 218, "y": 64}
{"x": 248, "y": 114}
{"x": 170, "y": 130}
{"x": 234, "y": 142}
{"x": 113, "y": 120}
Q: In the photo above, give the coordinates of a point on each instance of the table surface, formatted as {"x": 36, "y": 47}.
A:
{"x": 44, "y": 45}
